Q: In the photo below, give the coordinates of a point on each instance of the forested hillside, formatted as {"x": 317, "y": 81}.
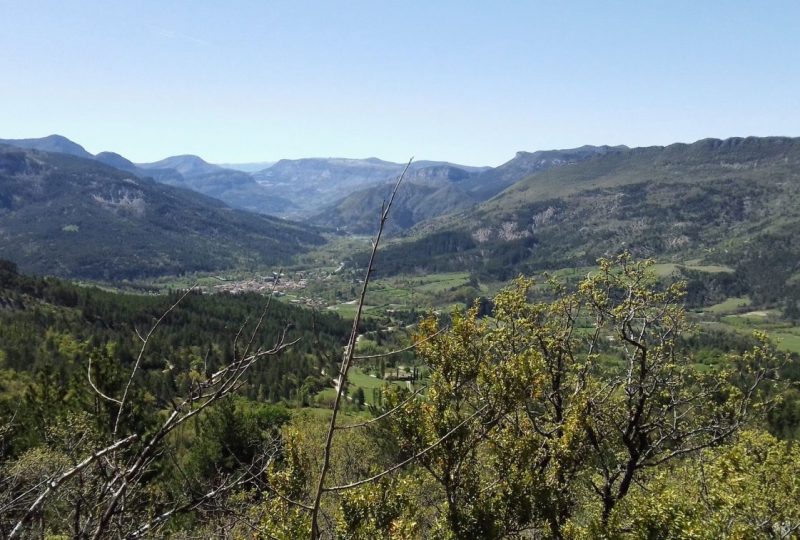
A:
{"x": 416, "y": 203}
{"x": 572, "y": 411}
{"x": 720, "y": 201}
{"x": 68, "y": 216}
{"x": 51, "y": 326}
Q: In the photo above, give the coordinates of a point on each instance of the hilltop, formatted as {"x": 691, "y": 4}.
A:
{"x": 733, "y": 202}
{"x": 75, "y": 217}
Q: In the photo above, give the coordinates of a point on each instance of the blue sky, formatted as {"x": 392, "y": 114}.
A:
{"x": 464, "y": 81}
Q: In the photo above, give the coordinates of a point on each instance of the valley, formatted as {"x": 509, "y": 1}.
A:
{"x": 94, "y": 248}
{"x": 703, "y": 210}
{"x": 400, "y": 271}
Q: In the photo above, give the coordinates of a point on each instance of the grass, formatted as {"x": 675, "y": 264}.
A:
{"x": 328, "y": 393}
{"x": 665, "y": 269}
{"x": 730, "y": 305}
{"x": 710, "y": 268}
{"x": 787, "y": 341}
{"x": 785, "y": 334}
{"x": 766, "y": 320}
{"x": 668, "y": 269}
{"x": 405, "y": 292}
{"x": 348, "y": 311}
{"x": 359, "y": 379}
{"x": 441, "y": 282}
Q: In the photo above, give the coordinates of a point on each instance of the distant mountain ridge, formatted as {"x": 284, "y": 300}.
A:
{"x": 491, "y": 182}
{"x": 248, "y": 167}
{"x": 427, "y": 192}
{"x": 734, "y": 202}
{"x": 75, "y": 217}
{"x": 236, "y": 188}
{"x": 314, "y": 182}
{"x": 187, "y": 165}
{"x": 335, "y": 192}
{"x": 112, "y": 159}
{"x": 447, "y": 188}
{"x": 287, "y": 188}
{"x": 51, "y": 143}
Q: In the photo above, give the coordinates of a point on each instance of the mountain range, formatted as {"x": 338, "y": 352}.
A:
{"x": 733, "y": 202}
{"x": 299, "y": 188}
{"x": 333, "y": 192}
{"x": 235, "y": 188}
{"x": 432, "y": 190}
{"x": 77, "y": 217}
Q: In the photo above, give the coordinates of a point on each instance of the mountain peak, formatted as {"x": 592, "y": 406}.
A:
{"x": 117, "y": 161}
{"x": 51, "y": 143}
{"x": 186, "y": 164}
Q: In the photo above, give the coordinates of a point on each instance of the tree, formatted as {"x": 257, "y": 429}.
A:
{"x": 358, "y": 396}
{"x": 110, "y": 467}
{"x": 748, "y": 489}
{"x": 578, "y": 397}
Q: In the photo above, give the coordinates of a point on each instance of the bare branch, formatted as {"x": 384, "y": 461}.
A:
{"x": 404, "y": 349}
{"x": 263, "y": 313}
{"x": 349, "y": 352}
{"x": 94, "y": 387}
{"x": 141, "y": 354}
{"x": 220, "y": 384}
{"x": 405, "y": 462}
{"x": 195, "y": 502}
{"x": 55, "y": 483}
{"x": 387, "y": 413}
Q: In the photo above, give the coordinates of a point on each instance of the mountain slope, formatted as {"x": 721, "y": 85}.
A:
{"x": 491, "y": 182}
{"x": 51, "y": 143}
{"x": 186, "y": 165}
{"x": 74, "y": 217}
{"x": 236, "y": 188}
{"x": 317, "y": 183}
{"x": 426, "y": 193}
{"x": 112, "y": 159}
{"x": 463, "y": 187}
{"x": 722, "y": 201}
{"x": 751, "y": 159}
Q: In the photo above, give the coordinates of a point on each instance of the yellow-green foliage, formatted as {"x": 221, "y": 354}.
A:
{"x": 750, "y": 489}
{"x": 523, "y": 429}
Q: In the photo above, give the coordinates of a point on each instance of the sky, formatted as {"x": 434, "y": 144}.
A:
{"x": 464, "y": 81}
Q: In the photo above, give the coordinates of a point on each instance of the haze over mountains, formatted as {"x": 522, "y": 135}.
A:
{"x": 325, "y": 190}
{"x": 288, "y": 188}
{"x": 75, "y": 217}
{"x": 722, "y": 201}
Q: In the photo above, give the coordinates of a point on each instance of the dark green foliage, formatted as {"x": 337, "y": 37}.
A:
{"x": 415, "y": 203}
{"x": 439, "y": 252}
{"x": 358, "y": 396}
{"x": 709, "y": 288}
{"x": 784, "y": 418}
{"x": 768, "y": 266}
{"x": 234, "y": 433}
{"x": 50, "y": 330}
